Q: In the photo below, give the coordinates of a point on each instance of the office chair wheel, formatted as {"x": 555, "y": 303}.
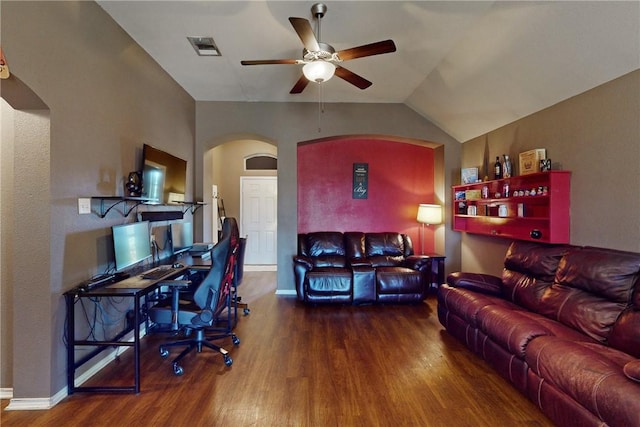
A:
{"x": 177, "y": 369}
{"x": 228, "y": 360}
{"x": 164, "y": 353}
{"x": 235, "y": 340}
{"x": 246, "y": 311}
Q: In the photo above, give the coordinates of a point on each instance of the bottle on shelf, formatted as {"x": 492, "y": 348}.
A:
{"x": 506, "y": 166}
{"x": 497, "y": 168}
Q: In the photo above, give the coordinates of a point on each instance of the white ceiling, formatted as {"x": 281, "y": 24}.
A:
{"x": 469, "y": 67}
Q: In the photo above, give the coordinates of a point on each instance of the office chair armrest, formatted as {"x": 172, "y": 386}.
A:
{"x": 175, "y": 284}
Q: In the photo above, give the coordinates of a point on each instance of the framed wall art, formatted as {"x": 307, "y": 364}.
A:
{"x": 360, "y": 180}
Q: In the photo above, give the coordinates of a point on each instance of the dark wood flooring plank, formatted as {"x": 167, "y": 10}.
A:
{"x": 307, "y": 366}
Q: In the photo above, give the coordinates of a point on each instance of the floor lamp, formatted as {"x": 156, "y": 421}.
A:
{"x": 428, "y": 214}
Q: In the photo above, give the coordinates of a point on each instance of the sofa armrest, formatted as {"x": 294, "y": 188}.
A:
{"x": 303, "y": 261}
{"x": 417, "y": 262}
{"x": 632, "y": 370}
{"x": 477, "y": 282}
{"x": 301, "y": 265}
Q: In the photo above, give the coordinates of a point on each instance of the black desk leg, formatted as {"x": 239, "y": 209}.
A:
{"x": 136, "y": 346}
{"x": 71, "y": 338}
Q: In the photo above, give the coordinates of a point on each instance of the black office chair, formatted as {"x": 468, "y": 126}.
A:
{"x": 237, "y": 279}
{"x": 230, "y": 228}
{"x": 212, "y": 296}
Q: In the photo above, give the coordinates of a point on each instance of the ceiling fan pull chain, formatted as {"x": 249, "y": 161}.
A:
{"x": 320, "y": 107}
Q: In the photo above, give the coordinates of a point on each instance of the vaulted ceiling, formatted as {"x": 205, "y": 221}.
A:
{"x": 469, "y": 67}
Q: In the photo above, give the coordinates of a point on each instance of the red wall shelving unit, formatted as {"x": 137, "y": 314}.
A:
{"x": 537, "y": 207}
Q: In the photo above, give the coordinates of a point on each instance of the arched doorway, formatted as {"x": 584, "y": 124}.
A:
{"x": 225, "y": 165}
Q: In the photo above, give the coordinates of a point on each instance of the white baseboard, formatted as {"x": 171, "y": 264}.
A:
{"x": 30, "y": 404}
{"x": 6, "y": 393}
{"x": 43, "y": 403}
{"x": 286, "y": 292}
{"x": 256, "y": 267}
{"x": 37, "y": 403}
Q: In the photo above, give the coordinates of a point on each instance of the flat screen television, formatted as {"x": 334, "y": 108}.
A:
{"x": 164, "y": 176}
{"x": 131, "y": 244}
{"x": 181, "y": 236}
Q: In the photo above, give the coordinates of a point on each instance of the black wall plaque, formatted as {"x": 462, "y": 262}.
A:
{"x": 360, "y": 180}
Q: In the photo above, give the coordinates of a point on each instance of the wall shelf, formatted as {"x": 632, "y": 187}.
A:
{"x": 541, "y": 213}
{"x": 107, "y": 203}
{"x": 191, "y": 206}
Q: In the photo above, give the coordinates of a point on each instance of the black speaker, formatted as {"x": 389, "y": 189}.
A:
{"x": 161, "y": 215}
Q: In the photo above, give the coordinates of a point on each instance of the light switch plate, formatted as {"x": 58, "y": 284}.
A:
{"x": 84, "y": 205}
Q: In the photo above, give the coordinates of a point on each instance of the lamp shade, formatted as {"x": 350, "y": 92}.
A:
{"x": 318, "y": 71}
{"x": 429, "y": 214}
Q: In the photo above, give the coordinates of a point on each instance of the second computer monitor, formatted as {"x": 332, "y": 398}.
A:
{"x": 181, "y": 236}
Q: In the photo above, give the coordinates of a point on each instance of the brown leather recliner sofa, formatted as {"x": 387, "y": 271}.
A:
{"x": 562, "y": 324}
{"x": 359, "y": 268}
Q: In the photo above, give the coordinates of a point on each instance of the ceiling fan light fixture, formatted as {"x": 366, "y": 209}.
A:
{"x": 318, "y": 71}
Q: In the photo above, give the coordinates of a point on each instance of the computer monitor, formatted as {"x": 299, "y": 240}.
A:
{"x": 181, "y": 236}
{"x": 131, "y": 244}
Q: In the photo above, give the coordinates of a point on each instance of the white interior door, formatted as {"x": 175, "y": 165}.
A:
{"x": 258, "y": 218}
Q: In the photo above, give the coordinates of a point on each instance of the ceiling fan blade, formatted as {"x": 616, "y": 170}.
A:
{"x": 386, "y": 46}
{"x": 300, "y": 85}
{"x": 352, "y": 77}
{"x": 305, "y": 32}
{"x": 271, "y": 61}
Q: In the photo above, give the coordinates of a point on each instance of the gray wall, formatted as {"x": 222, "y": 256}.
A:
{"x": 288, "y": 124}
{"x": 595, "y": 135}
{"x": 106, "y": 98}
{"x": 7, "y": 137}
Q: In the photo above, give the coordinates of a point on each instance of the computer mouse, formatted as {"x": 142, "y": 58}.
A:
{"x": 177, "y": 265}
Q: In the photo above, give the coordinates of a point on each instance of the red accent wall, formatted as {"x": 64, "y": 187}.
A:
{"x": 401, "y": 176}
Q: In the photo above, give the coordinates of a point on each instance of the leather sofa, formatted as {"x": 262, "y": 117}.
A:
{"x": 359, "y": 268}
{"x": 562, "y": 324}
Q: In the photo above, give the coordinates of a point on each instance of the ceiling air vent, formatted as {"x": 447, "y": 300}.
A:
{"x": 204, "y": 46}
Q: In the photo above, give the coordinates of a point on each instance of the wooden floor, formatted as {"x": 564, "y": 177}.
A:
{"x": 307, "y": 366}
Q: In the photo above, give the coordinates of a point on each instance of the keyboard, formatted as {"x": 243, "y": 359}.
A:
{"x": 159, "y": 272}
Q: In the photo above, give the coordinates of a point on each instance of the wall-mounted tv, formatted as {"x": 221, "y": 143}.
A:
{"x": 164, "y": 176}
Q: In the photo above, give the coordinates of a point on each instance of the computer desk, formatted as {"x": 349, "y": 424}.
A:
{"x": 133, "y": 287}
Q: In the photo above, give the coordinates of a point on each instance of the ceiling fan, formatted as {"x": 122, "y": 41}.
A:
{"x": 320, "y": 60}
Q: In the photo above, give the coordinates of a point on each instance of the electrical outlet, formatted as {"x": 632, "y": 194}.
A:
{"x": 84, "y": 205}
